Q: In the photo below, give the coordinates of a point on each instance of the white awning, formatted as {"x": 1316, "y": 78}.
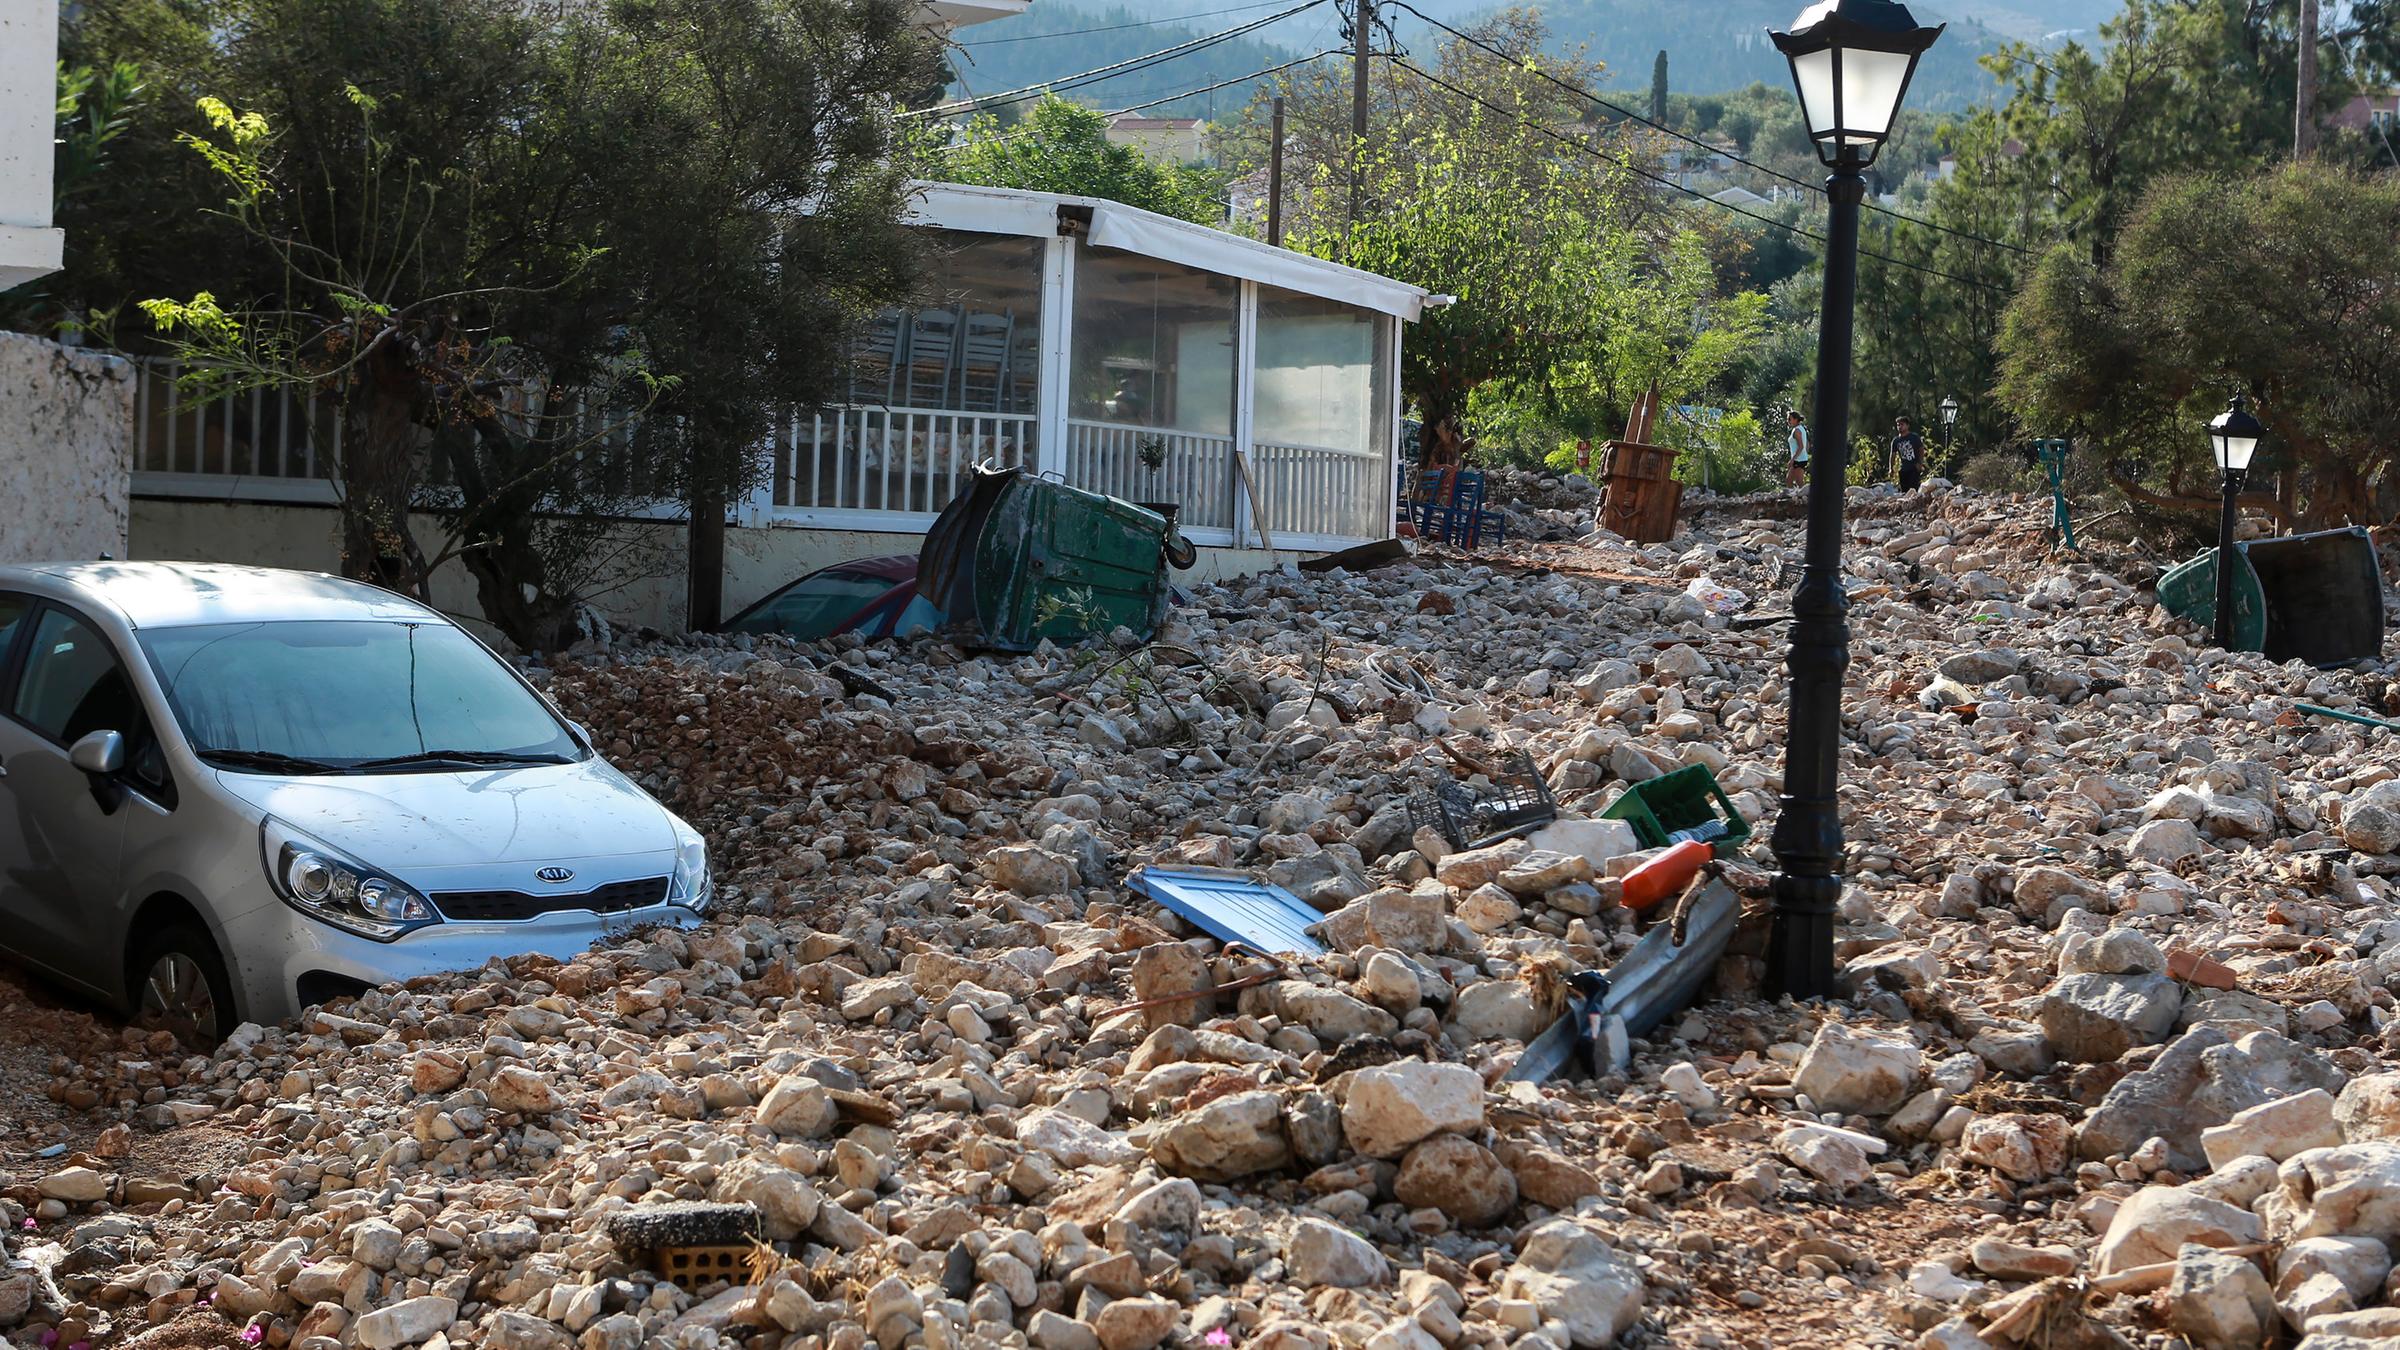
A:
{"x": 1114, "y": 225}
{"x": 1157, "y": 236}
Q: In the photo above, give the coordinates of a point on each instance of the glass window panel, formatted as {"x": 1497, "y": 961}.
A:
{"x": 1154, "y": 343}
{"x": 1320, "y": 363}
{"x": 1323, "y": 416}
{"x": 936, "y": 387}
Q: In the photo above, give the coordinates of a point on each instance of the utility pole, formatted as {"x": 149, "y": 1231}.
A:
{"x": 1362, "y": 26}
{"x": 1275, "y": 181}
{"x": 2304, "y": 117}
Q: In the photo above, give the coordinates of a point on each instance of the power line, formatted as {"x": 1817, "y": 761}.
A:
{"x": 1138, "y": 107}
{"x": 1127, "y": 66}
{"x": 1636, "y": 169}
{"x": 1121, "y": 27}
{"x": 1629, "y": 114}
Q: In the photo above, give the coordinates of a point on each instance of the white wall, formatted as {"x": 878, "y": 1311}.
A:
{"x": 646, "y": 585}
{"x": 66, "y": 451}
{"x": 29, "y": 248}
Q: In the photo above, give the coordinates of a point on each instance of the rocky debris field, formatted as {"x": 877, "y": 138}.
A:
{"x": 2116, "y": 1067}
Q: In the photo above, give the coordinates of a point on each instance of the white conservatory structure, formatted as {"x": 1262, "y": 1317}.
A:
{"x": 1126, "y": 352}
{"x": 1076, "y": 338}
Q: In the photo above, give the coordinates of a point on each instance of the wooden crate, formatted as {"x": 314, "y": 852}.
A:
{"x": 1645, "y": 463}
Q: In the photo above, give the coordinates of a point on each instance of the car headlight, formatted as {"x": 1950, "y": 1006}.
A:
{"x": 692, "y": 889}
{"x": 332, "y": 887}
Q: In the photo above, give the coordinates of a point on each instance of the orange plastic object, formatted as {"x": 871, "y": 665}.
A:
{"x": 1665, "y": 876}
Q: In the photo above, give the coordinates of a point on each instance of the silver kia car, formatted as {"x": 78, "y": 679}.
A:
{"x": 230, "y": 792}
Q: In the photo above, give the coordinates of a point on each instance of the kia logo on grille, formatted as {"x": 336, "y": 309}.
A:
{"x": 556, "y": 876}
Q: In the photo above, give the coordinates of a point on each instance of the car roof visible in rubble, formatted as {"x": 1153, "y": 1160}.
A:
{"x": 175, "y": 594}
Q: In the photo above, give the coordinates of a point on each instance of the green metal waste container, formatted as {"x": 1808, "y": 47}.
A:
{"x": 1016, "y": 559}
{"x": 2310, "y": 597}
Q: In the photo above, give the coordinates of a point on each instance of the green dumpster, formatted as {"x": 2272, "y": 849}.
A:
{"x": 2310, "y": 597}
{"x": 1015, "y": 559}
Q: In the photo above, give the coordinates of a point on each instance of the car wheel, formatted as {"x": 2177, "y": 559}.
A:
{"x": 179, "y": 985}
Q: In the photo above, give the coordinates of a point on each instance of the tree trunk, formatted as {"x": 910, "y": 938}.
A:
{"x": 378, "y": 479}
{"x": 704, "y": 587}
{"x": 498, "y": 526}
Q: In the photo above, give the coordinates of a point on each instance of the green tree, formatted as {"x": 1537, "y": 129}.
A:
{"x": 1658, "y": 87}
{"x": 502, "y": 239}
{"x": 1064, "y": 147}
{"x": 2283, "y": 284}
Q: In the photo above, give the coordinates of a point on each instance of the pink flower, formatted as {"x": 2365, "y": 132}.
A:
{"x": 253, "y": 1334}
{"x": 31, "y": 1224}
{"x": 1218, "y": 1337}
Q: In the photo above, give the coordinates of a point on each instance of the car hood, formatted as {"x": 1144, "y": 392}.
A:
{"x": 406, "y": 822}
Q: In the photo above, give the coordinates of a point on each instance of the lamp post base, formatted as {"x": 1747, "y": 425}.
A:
{"x": 1800, "y": 944}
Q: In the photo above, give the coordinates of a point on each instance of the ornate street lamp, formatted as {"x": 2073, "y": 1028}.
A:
{"x": 2234, "y": 436}
{"x": 1949, "y": 420}
{"x": 1851, "y": 62}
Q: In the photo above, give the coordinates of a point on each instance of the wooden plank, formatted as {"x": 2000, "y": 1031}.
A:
{"x": 1258, "y": 502}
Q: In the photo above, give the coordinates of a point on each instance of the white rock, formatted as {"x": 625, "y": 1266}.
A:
{"x": 2276, "y": 1129}
{"x": 1576, "y": 1278}
{"x": 1320, "y": 1254}
{"x": 1858, "y": 1072}
{"x": 1392, "y": 1106}
{"x": 407, "y": 1322}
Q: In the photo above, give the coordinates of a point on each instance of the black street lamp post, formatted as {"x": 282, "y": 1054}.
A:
{"x": 1949, "y": 421}
{"x": 1851, "y": 62}
{"x": 2234, "y": 436}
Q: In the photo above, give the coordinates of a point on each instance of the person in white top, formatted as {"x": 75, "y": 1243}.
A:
{"x": 1796, "y": 445}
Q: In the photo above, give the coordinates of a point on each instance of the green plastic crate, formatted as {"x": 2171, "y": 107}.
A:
{"x": 1686, "y": 799}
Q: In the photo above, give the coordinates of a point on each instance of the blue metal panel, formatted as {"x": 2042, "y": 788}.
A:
{"x": 1230, "y": 907}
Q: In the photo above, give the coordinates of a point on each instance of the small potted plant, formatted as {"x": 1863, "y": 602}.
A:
{"x": 1151, "y": 453}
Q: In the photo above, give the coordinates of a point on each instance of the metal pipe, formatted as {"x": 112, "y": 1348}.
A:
{"x": 1808, "y": 829}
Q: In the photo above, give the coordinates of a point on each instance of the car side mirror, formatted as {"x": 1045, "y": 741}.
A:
{"x": 100, "y": 754}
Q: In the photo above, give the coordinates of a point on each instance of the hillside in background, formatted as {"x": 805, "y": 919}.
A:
{"x": 1714, "y": 47}
{"x": 1721, "y": 46}
{"x": 1053, "y": 40}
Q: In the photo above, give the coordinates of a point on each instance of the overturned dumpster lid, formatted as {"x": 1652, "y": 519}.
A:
{"x": 1230, "y": 907}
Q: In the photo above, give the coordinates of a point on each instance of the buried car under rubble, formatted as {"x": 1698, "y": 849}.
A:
{"x": 229, "y": 792}
{"x": 1014, "y": 560}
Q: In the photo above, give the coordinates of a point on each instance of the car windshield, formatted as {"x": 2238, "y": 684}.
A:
{"x": 340, "y": 695}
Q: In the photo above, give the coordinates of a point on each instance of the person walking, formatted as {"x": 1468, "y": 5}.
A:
{"x": 1908, "y": 454}
{"x": 1795, "y": 444}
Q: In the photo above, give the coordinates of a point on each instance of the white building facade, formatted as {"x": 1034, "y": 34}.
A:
{"x": 29, "y": 246}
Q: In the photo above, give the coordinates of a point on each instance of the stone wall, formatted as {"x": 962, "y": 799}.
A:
{"x": 66, "y": 451}
{"x": 644, "y": 586}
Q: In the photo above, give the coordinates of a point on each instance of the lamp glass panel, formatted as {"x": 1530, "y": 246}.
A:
{"x": 1872, "y": 83}
{"x": 1813, "y": 73}
{"x": 2233, "y": 452}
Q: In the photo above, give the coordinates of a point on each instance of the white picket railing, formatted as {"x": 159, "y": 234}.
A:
{"x": 902, "y": 460}
{"x": 1197, "y": 473}
{"x": 1318, "y": 492}
{"x": 867, "y": 467}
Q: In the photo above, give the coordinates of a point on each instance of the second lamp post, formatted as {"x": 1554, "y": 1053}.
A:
{"x": 1851, "y": 62}
{"x": 2234, "y": 436}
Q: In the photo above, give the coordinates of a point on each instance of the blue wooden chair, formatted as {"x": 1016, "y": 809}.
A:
{"x": 1452, "y": 520}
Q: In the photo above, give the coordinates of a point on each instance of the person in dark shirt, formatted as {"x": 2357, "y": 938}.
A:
{"x": 1908, "y": 454}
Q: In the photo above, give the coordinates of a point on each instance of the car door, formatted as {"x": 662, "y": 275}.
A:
{"x": 62, "y": 840}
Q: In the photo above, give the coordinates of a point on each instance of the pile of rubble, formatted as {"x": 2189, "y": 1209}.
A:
{"x": 2114, "y": 1064}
